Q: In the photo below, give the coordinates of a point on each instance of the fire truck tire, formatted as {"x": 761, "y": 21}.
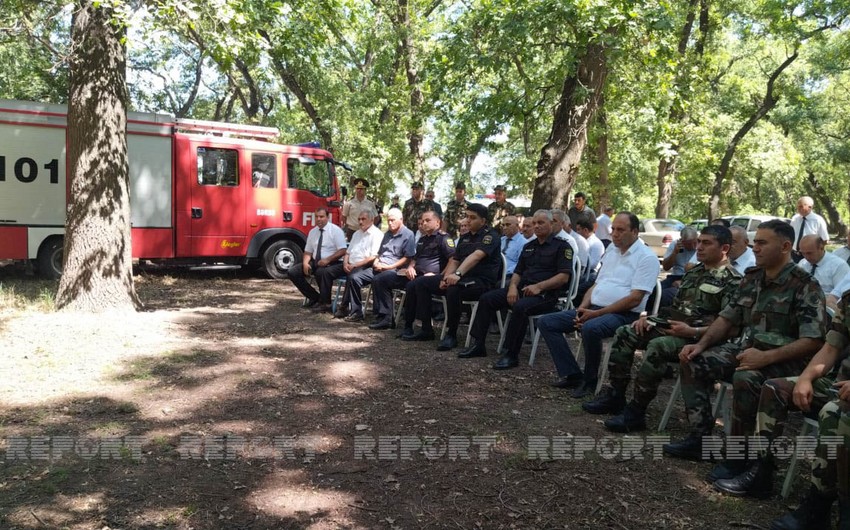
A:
{"x": 50, "y": 258}
{"x": 279, "y": 256}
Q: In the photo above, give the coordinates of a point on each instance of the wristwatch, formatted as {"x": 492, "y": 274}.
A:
{"x": 458, "y": 274}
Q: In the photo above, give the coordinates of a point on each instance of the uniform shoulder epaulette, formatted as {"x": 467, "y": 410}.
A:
{"x": 800, "y": 273}
{"x": 734, "y": 271}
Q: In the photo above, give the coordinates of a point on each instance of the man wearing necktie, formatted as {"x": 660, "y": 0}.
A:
{"x": 826, "y": 268}
{"x": 806, "y": 222}
{"x": 322, "y": 252}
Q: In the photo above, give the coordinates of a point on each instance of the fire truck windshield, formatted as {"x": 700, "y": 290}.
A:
{"x": 315, "y": 176}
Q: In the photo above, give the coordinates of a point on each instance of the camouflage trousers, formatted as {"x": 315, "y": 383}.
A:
{"x": 658, "y": 351}
{"x": 719, "y": 363}
{"x": 832, "y": 472}
{"x": 777, "y": 399}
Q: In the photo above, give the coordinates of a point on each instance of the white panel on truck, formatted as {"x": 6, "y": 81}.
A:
{"x": 32, "y": 175}
{"x": 150, "y": 181}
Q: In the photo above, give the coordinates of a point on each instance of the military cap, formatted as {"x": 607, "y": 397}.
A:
{"x": 361, "y": 183}
{"x": 500, "y": 187}
{"x": 417, "y": 185}
{"x": 460, "y": 185}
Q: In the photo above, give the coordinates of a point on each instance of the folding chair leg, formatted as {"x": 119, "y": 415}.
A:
{"x": 674, "y": 397}
{"x": 792, "y": 465}
{"x": 400, "y": 309}
{"x": 502, "y": 329}
{"x": 603, "y": 364}
{"x": 534, "y": 344}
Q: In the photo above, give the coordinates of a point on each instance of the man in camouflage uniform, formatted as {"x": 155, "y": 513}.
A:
{"x": 455, "y": 210}
{"x": 780, "y": 312}
{"x": 814, "y": 390}
{"x": 415, "y": 205}
{"x": 705, "y": 290}
{"x": 500, "y": 207}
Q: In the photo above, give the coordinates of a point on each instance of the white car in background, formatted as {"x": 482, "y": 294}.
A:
{"x": 750, "y": 223}
{"x": 658, "y": 234}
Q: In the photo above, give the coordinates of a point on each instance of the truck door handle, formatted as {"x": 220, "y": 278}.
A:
{"x": 197, "y": 213}
{"x": 287, "y": 216}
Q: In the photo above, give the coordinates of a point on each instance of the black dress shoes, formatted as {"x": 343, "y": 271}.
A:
{"x": 506, "y": 363}
{"x": 420, "y": 336}
{"x": 384, "y": 323}
{"x": 476, "y": 350}
{"x": 583, "y": 389}
{"x": 611, "y": 401}
{"x": 448, "y": 342}
{"x": 405, "y": 334}
{"x": 690, "y": 448}
{"x": 570, "y": 381}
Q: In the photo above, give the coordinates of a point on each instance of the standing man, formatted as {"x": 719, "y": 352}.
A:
{"x": 779, "y": 310}
{"x": 322, "y": 252}
{"x": 437, "y": 207}
{"x": 706, "y": 289}
{"x": 628, "y": 274}
{"x": 512, "y": 242}
{"x": 543, "y": 269}
{"x": 806, "y": 222}
{"x": 394, "y": 202}
{"x": 433, "y": 251}
{"x": 473, "y": 270}
{"x": 357, "y": 264}
{"x": 352, "y": 208}
{"x": 580, "y": 209}
{"x": 415, "y": 205}
{"x": 603, "y": 226}
{"x": 827, "y": 268}
{"x": 500, "y": 207}
{"x": 455, "y": 210}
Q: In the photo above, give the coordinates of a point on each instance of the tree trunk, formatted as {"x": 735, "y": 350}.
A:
{"x": 98, "y": 268}
{"x": 559, "y": 160}
{"x": 835, "y": 222}
{"x": 602, "y": 196}
{"x": 416, "y": 137}
{"x": 664, "y": 180}
{"x": 768, "y": 102}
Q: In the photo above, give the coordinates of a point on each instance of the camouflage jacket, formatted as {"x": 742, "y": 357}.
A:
{"x": 791, "y": 305}
{"x": 455, "y": 213}
{"x": 702, "y": 294}
{"x": 498, "y": 212}
{"x": 839, "y": 336}
{"x": 412, "y": 210}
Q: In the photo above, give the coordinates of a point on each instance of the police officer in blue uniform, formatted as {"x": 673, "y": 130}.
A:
{"x": 473, "y": 270}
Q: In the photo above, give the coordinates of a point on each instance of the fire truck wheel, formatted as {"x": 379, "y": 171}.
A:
{"x": 50, "y": 258}
{"x": 278, "y": 257}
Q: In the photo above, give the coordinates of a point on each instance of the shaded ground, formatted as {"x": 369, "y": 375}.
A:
{"x": 225, "y": 405}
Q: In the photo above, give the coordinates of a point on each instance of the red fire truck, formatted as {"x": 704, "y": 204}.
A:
{"x": 200, "y": 191}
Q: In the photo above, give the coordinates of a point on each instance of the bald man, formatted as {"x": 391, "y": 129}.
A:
{"x": 827, "y": 268}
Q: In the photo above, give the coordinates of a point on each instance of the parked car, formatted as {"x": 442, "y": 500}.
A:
{"x": 751, "y": 222}
{"x": 698, "y": 224}
{"x": 658, "y": 234}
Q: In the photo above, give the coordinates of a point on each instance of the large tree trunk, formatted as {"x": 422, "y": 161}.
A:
{"x": 602, "y": 193}
{"x": 98, "y": 268}
{"x": 664, "y": 180}
{"x": 416, "y": 136}
{"x": 835, "y": 222}
{"x": 559, "y": 159}
{"x": 767, "y": 103}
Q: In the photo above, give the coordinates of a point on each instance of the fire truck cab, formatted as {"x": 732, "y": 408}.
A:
{"x": 200, "y": 192}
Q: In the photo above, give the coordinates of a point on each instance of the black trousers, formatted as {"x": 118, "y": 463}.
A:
{"x": 325, "y": 277}
{"x": 382, "y": 291}
{"x": 424, "y": 288}
{"x": 496, "y": 300}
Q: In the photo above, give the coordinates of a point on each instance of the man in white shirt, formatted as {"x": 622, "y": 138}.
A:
{"x": 512, "y": 242}
{"x": 579, "y": 244}
{"x": 603, "y": 226}
{"x": 827, "y": 269}
{"x": 352, "y": 208}
{"x": 594, "y": 245}
{"x": 358, "y": 260}
{"x": 628, "y": 274}
{"x": 741, "y": 256}
{"x": 806, "y": 222}
{"x": 322, "y": 252}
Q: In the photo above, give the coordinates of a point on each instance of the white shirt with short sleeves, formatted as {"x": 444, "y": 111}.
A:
{"x": 334, "y": 240}
{"x": 596, "y": 249}
{"x": 603, "y": 227}
{"x": 829, "y": 272}
{"x": 814, "y": 225}
{"x": 364, "y": 244}
{"x": 623, "y": 272}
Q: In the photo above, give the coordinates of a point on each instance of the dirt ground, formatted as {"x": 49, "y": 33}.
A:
{"x": 225, "y": 405}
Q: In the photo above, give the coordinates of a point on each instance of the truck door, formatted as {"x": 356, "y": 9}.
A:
{"x": 310, "y": 183}
{"x": 218, "y": 203}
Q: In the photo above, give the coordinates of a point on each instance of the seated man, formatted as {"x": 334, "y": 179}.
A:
{"x": 322, "y": 252}
{"x": 811, "y": 392}
{"x": 676, "y": 257}
{"x": 357, "y": 264}
{"x": 827, "y": 268}
{"x": 472, "y": 271}
{"x": 628, "y": 274}
{"x": 512, "y": 242}
{"x": 396, "y": 249}
{"x": 779, "y": 310}
{"x": 543, "y": 269}
{"x": 705, "y": 290}
{"x": 433, "y": 250}
{"x": 844, "y": 252}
